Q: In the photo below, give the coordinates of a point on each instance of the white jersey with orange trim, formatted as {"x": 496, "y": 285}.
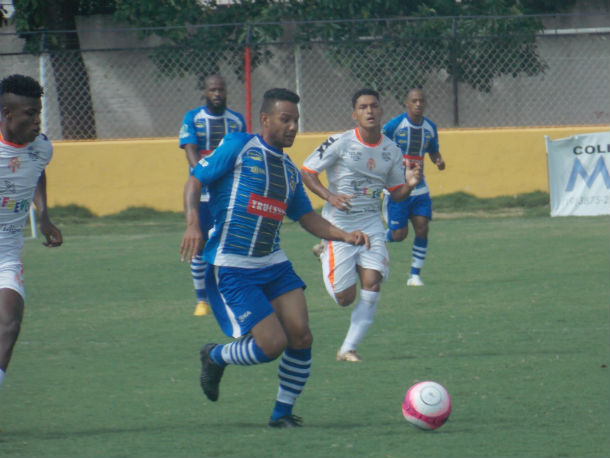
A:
{"x": 20, "y": 169}
{"x": 361, "y": 170}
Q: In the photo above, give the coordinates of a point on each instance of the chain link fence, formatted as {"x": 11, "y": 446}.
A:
{"x": 118, "y": 86}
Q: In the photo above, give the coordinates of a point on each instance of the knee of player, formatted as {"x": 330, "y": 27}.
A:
{"x": 274, "y": 347}
{"x": 301, "y": 340}
{"x": 399, "y": 235}
{"x": 344, "y": 299}
{"x": 11, "y": 326}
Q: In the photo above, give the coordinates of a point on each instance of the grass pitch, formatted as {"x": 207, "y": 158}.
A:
{"x": 513, "y": 321}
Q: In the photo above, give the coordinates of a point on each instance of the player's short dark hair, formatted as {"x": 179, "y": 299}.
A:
{"x": 273, "y": 95}
{"x": 364, "y": 91}
{"x": 25, "y": 86}
{"x": 211, "y": 76}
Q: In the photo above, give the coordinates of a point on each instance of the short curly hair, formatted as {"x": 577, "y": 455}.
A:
{"x": 25, "y": 86}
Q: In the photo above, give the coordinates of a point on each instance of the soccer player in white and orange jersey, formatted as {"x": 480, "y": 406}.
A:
{"x": 24, "y": 154}
{"x": 359, "y": 164}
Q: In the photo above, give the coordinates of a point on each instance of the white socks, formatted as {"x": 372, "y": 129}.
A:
{"x": 362, "y": 318}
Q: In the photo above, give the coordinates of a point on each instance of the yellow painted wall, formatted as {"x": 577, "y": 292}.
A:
{"x": 110, "y": 176}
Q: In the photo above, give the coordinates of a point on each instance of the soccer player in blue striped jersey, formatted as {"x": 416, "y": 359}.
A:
{"x": 415, "y": 135}
{"x": 255, "y": 295}
{"x": 202, "y": 130}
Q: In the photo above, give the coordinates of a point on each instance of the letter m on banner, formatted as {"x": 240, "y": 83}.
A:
{"x": 579, "y": 181}
{"x": 579, "y": 170}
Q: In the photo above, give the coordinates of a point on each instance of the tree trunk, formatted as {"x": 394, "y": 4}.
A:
{"x": 71, "y": 78}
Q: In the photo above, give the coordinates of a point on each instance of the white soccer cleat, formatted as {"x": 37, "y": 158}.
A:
{"x": 350, "y": 356}
{"x": 414, "y": 280}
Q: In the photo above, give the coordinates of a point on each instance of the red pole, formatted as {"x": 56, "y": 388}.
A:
{"x": 248, "y": 76}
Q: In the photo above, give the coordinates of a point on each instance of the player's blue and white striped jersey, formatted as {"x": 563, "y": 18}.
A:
{"x": 252, "y": 186}
{"x": 206, "y": 130}
{"x": 414, "y": 140}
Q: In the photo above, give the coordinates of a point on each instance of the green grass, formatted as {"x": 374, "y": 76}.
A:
{"x": 513, "y": 320}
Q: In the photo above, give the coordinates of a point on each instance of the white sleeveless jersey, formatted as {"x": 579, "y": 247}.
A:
{"x": 20, "y": 168}
{"x": 361, "y": 170}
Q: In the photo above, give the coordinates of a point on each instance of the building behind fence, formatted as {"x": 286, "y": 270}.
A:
{"x": 133, "y": 95}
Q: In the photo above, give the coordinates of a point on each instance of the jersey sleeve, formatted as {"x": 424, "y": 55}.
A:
{"x": 323, "y": 156}
{"x": 433, "y": 147}
{"x": 243, "y": 122}
{"x": 221, "y": 160}
{"x": 187, "y": 130}
{"x": 300, "y": 204}
{"x": 397, "y": 172}
{"x": 390, "y": 127}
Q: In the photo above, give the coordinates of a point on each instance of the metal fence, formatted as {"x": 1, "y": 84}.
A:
{"x": 117, "y": 86}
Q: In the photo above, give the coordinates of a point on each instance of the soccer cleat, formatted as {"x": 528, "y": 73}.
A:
{"x": 414, "y": 280}
{"x": 318, "y": 249}
{"x": 211, "y": 373}
{"x": 350, "y": 356}
{"x": 202, "y": 309}
{"x": 287, "y": 421}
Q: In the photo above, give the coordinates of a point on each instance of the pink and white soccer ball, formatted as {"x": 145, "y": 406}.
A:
{"x": 427, "y": 405}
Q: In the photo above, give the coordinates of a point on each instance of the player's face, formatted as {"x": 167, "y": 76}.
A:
{"x": 280, "y": 127}
{"x": 215, "y": 93}
{"x": 415, "y": 104}
{"x": 21, "y": 118}
{"x": 368, "y": 112}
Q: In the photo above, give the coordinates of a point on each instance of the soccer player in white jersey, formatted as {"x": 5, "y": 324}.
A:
{"x": 359, "y": 165}
{"x": 415, "y": 135}
{"x": 24, "y": 154}
{"x": 255, "y": 295}
{"x": 202, "y": 130}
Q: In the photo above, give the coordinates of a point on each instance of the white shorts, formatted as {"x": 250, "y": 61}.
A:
{"x": 11, "y": 276}
{"x": 339, "y": 261}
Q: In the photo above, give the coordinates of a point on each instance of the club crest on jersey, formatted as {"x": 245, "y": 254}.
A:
{"x": 14, "y": 164}
{"x": 266, "y": 207}
{"x": 370, "y": 164}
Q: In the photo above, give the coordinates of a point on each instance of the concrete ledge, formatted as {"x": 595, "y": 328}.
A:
{"x": 109, "y": 176}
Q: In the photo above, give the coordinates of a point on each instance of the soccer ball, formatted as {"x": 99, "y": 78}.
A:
{"x": 427, "y": 405}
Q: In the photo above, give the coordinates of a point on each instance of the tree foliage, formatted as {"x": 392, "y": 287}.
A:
{"x": 471, "y": 41}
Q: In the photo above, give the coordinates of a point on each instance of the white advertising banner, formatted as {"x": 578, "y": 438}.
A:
{"x": 579, "y": 182}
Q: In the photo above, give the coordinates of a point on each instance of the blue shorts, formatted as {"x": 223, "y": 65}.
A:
{"x": 398, "y": 213}
{"x": 240, "y": 298}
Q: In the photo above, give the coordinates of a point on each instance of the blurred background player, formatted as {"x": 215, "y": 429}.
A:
{"x": 256, "y": 296}
{"x": 24, "y": 154}
{"x": 202, "y": 130}
{"x": 359, "y": 164}
{"x": 415, "y": 135}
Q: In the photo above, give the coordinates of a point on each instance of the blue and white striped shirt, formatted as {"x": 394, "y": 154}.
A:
{"x": 252, "y": 186}
{"x": 414, "y": 140}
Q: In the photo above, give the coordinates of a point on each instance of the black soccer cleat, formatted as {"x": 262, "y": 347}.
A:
{"x": 211, "y": 373}
{"x": 287, "y": 421}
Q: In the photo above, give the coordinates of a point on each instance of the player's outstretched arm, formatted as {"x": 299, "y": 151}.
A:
{"x": 51, "y": 233}
{"x": 192, "y": 240}
{"x": 321, "y": 228}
